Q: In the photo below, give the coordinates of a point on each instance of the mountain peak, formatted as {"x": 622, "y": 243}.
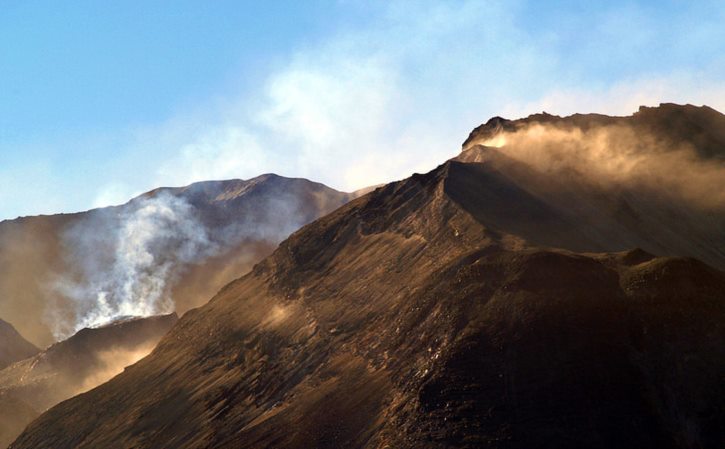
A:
{"x": 13, "y": 347}
{"x": 213, "y": 232}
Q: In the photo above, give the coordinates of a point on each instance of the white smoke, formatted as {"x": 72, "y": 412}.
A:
{"x": 125, "y": 262}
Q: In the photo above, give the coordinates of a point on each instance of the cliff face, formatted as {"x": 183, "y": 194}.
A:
{"x": 446, "y": 310}
{"x": 46, "y": 261}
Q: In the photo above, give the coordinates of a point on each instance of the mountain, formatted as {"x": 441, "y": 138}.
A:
{"x": 87, "y": 359}
{"x": 55, "y": 268}
{"x": 13, "y": 347}
{"x": 437, "y": 312}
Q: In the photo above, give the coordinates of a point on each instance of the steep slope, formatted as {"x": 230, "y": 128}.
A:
{"x": 571, "y": 213}
{"x": 430, "y": 314}
{"x": 13, "y": 347}
{"x": 87, "y": 359}
{"x": 49, "y": 264}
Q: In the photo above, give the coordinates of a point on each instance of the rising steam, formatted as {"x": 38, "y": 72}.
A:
{"x": 126, "y": 261}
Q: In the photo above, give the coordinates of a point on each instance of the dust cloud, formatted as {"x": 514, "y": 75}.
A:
{"x": 110, "y": 363}
{"x": 618, "y": 156}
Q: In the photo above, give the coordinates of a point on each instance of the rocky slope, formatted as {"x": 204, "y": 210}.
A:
{"x": 13, "y": 347}
{"x": 438, "y": 312}
{"x": 87, "y": 359}
{"x": 46, "y": 261}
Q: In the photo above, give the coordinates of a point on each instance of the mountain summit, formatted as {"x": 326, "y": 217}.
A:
{"x": 591, "y": 182}
{"x": 467, "y": 307}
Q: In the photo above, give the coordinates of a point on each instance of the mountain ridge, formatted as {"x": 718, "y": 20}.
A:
{"x": 431, "y": 313}
{"x": 704, "y": 125}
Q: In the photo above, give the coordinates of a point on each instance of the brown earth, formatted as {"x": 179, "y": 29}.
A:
{"x": 87, "y": 359}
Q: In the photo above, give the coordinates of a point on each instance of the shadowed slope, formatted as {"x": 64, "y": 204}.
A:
{"x": 508, "y": 196}
{"x": 654, "y": 180}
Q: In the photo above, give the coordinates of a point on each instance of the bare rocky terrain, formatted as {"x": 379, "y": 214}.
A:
{"x": 87, "y": 359}
{"x": 493, "y": 302}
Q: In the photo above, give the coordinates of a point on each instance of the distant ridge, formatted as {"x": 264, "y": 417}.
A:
{"x": 13, "y": 347}
{"x": 246, "y": 219}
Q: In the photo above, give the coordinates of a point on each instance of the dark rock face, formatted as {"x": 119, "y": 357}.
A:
{"x": 573, "y": 355}
{"x": 13, "y": 347}
{"x": 508, "y": 197}
{"x": 432, "y": 313}
{"x": 88, "y": 358}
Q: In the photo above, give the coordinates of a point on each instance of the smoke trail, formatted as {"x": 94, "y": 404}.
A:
{"x": 125, "y": 262}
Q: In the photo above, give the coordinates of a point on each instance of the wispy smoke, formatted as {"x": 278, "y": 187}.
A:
{"x": 125, "y": 261}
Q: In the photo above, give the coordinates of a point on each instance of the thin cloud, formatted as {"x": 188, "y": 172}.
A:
{"x": 377, "y": 103}
{"x": 398, "y": 92}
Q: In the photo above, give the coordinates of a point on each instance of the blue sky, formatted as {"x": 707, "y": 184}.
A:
{"x": 100, "y": 101}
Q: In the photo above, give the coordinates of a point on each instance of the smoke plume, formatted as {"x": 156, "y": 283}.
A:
{"x": 169, "y": 251}
{"x": 125, "y": 261}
